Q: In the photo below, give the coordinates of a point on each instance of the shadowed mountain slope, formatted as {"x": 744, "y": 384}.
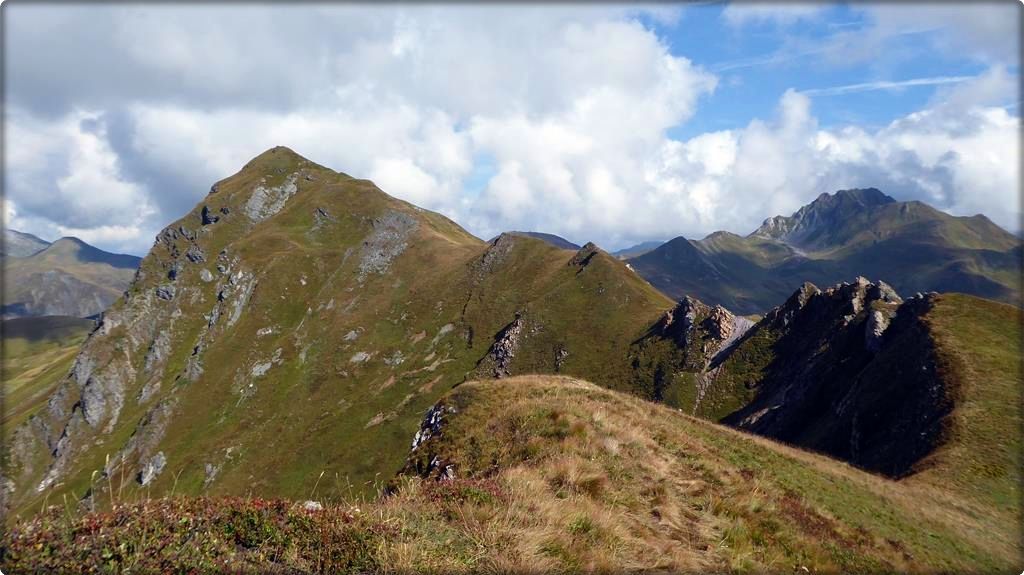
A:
{"x": 841, "y": 235}
{"x": 67, "y": 278}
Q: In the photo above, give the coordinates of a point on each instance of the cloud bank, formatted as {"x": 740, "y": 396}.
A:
{"x": 551, "y": 119}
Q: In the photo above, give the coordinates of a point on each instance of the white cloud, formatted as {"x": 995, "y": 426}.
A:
{"x": 988, "y": 31}
{"x": 885, "y": 85}
{"x": 570, "y": 105}
{"x": 64, "y": 179}
{"x": 747, "y": 13}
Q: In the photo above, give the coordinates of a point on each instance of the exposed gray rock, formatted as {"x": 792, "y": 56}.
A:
{"x": 584, "y": 255}
{"x": 321, "y": 218}
{"x": 560, "y": 356}
{"x": 195, "y": 254}
{"x": 495, "y": 254}
{"x": 102, "y": 396}
{"x": 205, "y": 275}
{"x": 207, "y": 217}
{"x": 386, "y": 242}
{"x": 211, "y": 472}
{"x": 158, "y": 352}
{"x": 395, "y": 359}
{"x": 152, "y": 468}
{"x": 194, "y": 363}
{"x": 265, "y": 202}
{"x": 165, "y": 292}
{"x": 506, "y": 342}
{"x": 784, "y": 314}
{"x": 147, "y": 435}
{"x": 260, "y": 369}
{"x": 360, "y": 357}
{"x": 884, "y": 292}
{"x": 432, "y": 423}
{"x": 874, "y": 328}
{"x": 445, "y": 330}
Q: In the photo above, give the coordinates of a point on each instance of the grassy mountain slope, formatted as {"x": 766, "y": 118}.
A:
{"x": 852, "y": 232}
{"x": 67, "y": 277}
{"x": 926, "y": 389}
{"x": 553, "y": 474}
{"x": 298, "y": 322}
{"x": 37, "y": 354}
{"x": 978, "y": 344}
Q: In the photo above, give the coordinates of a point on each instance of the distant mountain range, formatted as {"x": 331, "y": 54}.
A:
{"x": 637, "y": 250}
{"x": 20, "y": 244}
{"x": 915, "y": 247}
{"x": 65, "y": 278}
{"x": 557, "y": 241}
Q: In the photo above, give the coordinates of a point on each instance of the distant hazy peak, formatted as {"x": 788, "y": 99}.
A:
{"x": 825, "y": 209}
{"x": 557, "y": 241}
{"x": 21, "y": 244}
{"x": 73, "y": 250}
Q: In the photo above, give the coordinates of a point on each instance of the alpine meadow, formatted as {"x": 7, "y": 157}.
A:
{"x": 751, "y": 301}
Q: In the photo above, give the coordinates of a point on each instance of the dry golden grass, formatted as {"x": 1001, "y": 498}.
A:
{"x": 558, "y": 475}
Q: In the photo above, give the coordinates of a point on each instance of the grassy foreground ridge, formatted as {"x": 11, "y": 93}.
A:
{"x": 552, "y": 474}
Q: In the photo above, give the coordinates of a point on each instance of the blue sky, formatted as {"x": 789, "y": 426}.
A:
{"x": 615, "y": 124}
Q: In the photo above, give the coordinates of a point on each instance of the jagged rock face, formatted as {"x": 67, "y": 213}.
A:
{"x": 265, "y": 202}
{"x": 874, "y": 327}
{"x": 810, "y": 222}
{"x": 688, "y": 340}
{"x": 152, "y": 469}
{"x": 496, "y": 253}
{"x": 837, "y": 355}
{"x": 503, "y": 350}
{"x": 584, "y": 255}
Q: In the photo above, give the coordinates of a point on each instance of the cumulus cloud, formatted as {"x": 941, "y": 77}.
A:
{"x": 63, "y": 178}
{"x": 570, "y": 106}
{"x": 743, "y": 14}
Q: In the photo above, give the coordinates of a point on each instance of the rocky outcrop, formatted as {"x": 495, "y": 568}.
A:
{"x": 151, "y": 469}
{"x": 423, "y": 459}
{"x": 584, "y": 255}
{"x": 265, "y": 202}
{"x": 386, "y": 242}
{"x": 495, "y": 254}
{"x": 852, "y": 374}
{"x": 207, "y": 217}
{"x": 874, "y": 328}
{"x": 497, "y": 363}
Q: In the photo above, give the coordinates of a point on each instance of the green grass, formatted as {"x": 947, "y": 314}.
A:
{"x": 326, "y": 414}
{"x": 37, "y": 354}
{"x": 978, "y": 343}
{"x": 554, "y": 475}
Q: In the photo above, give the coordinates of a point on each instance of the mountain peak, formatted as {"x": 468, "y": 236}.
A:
{"x": 825, "y": 212}
{"x": 277, "y": 160}
{"x": 866, "y": 196}
{"x": 21, "y": 244}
